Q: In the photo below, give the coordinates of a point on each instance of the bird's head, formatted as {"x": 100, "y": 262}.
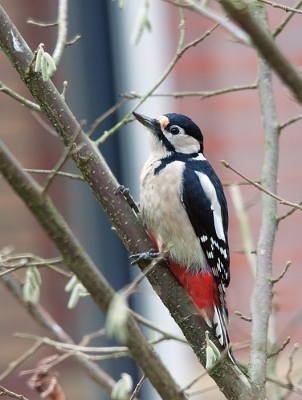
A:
{"x": 173, "y": 133}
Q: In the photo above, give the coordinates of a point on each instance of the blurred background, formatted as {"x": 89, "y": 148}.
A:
{"x": 100, "y": 67}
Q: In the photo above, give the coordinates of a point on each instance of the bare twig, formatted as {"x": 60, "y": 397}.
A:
{"x": 22, "y": 100}
{"x": 285, "y": 385}
{"x": 263, "y": 189}
{"x": 205, "y": 390}
{"x": 290, "y": 121}
{"x": 52, "y": 361}
{"x": 281, "y": 348}
{"x": 26, "y": 260}
{"x": 6, "y": 392}
{"x": 291, "y": 363}
{"x": 275, "y": 280}
{"x": 138, "y": 387}
{"x": 286, "y": 20}
{"x": 102, "y": 118}
{"x": 62, "y": 159}
{"x": 14, "y": 364}
{"x": 281, "y": 6}
{"x": 41, "y": 24}
{"x": 241, "y": 316}
{"x": 150, "y": 325}
{"x": 73, "y": 41}
{"x": 201, "y": 94}
{"x": 290, "y": 212}
{"x": 179, "y": 53}
{"x": 52, "y": 171}
{"x": 72, "y": 347}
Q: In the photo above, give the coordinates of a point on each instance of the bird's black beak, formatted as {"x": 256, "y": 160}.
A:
{"x": 150, "y": 123}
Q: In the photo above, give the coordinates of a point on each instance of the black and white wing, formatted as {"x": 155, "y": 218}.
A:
{"x": 205, "y": 204}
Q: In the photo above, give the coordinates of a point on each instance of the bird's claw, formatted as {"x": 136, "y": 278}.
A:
{"x": 146, "y": 256}
{"x": 126, "y": 193}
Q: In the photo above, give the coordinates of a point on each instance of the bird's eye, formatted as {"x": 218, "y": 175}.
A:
{"x": 174, "y": 130}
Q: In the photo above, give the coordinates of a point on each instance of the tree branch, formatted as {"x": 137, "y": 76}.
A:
{"x": 6, "y": 392}
{"x": 262, "y": 295}
{"x": 263, "y": 41}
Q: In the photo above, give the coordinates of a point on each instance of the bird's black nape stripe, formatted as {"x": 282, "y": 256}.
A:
{"x": 174, "y": 156}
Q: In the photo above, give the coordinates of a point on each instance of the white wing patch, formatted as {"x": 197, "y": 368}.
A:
{"x": 210, "y": 192}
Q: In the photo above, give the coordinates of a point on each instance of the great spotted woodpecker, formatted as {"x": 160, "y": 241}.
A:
{"x": 184, "y": 210}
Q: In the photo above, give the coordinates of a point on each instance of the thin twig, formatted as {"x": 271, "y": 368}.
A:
{"x": 291, "y": 363}
{"x": 138, "y": 387}
{"x": 238, "y": 183}
{"x": 284, "y": 384}
{"x": 241, "y": 316}
{"x": 22, "y": 100}
{"x": 179, "y": 53}
{"x": 281, "y": 6}
{"x": 150, "y": 325}
{"x": 100, "y": 353}
{"x": 6, "y": 392}
{"x": 259, "y": 187}
{"x": 14, "y": 364}
{"x": 53, "y": 171}
{"x": 275, "y": 280}
{"x": 42, "y": 24}
{"x": 286, "y": 20}
{"x": 290, "y": 212}
{"x": 281, "y": 348}
{"x": 290, "y": 121}
{"x": 72, "y": 347}
{"x": 73, "y": 41}
{"x": 62, "y": 160}
{"x": 102, "y": 118}
{"x": 201, "y": 94}
{"x": 26, "y": 260}
{"x": 56, "y": 359}
{"x": 205, "y": 390}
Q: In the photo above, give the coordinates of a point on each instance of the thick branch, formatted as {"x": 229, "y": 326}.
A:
{"x": 262, "y": 294}
{"x": 238, "y": 10}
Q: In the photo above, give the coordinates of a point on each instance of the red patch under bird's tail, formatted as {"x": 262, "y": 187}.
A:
{"x": 203, "y": 292}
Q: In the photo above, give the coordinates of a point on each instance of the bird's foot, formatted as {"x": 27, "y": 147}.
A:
{"x": 146, "y": 256}
{"x": 126, "y": 193}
